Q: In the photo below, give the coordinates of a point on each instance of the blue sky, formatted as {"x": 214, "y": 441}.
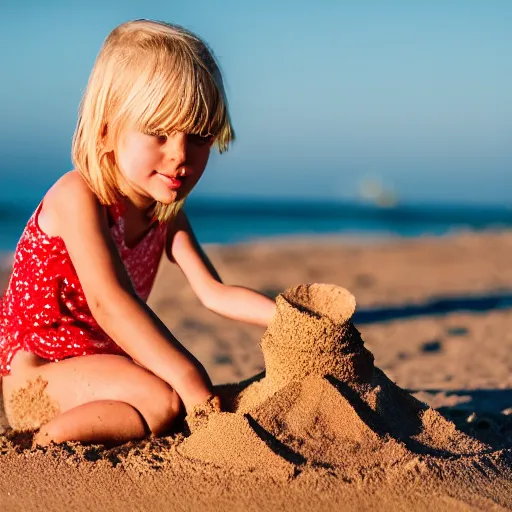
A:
{"x": 323, "y": 94}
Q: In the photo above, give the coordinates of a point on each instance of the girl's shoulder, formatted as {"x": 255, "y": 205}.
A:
{"x": 68, "y": 196}
{"x": 69, "y": 187}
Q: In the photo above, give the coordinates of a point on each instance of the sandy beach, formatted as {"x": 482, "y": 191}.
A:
{"x": 417, "y": 418}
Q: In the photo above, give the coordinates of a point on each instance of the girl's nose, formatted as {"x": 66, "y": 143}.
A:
{"x": 176, "y": 147}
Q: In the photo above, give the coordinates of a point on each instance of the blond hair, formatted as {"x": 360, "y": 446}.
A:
{"x": 156, "y": 77}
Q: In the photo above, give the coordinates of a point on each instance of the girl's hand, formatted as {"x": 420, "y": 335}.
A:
{"x": 200, "y": 413}
{"x": 192, "y": 391}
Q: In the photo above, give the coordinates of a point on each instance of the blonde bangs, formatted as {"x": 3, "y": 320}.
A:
{"x": 192, "y": 102}
{"x": 154, "y": 77}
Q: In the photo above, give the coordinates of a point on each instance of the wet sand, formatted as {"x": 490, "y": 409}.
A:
{"x": 337, "y": 430}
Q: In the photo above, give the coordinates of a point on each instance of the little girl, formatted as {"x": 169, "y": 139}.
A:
{"x": 82, "y": 356}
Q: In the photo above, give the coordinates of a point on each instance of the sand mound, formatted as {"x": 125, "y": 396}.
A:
{"x": 227, "y": 441}
{"x": 322, "y": 403}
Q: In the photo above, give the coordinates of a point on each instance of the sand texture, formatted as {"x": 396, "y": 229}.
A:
{"x": 418, "y": 416}
{"x": 30, "y": 407}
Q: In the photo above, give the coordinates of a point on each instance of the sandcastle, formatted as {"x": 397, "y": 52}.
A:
{"x": 321, "y": 402}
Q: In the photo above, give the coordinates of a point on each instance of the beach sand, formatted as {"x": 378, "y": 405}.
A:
{"x": 419, "y": 417}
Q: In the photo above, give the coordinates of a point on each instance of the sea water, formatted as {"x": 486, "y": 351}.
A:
{"x": 229, "y": 221}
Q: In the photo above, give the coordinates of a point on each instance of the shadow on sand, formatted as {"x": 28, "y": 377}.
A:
{"x": 480, "y": 415}
{"x": 435, "y": 306}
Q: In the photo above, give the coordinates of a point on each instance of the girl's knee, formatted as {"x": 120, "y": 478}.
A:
{"x": 165, "y": 408}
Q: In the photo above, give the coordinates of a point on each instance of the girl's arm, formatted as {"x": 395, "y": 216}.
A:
{"x": 230, "y": 301}
{"x": 75, "y": 214}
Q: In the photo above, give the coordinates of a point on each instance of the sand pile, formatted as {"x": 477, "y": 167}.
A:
{"x": 323, "y": 404}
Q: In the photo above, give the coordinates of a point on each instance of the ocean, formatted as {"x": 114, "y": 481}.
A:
{"x": 230, "y": 221}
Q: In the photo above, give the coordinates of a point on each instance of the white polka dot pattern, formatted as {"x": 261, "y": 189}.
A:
{"x": 44, "y": 309}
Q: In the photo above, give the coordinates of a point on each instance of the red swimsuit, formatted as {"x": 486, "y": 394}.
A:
{"x": 44, "y": 309}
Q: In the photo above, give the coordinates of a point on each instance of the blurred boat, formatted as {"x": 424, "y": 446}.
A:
{"x": 371, "y": 190}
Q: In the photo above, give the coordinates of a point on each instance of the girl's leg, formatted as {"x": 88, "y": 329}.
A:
{"x": 104, "y": 421}
{"x": 90, "y": 398}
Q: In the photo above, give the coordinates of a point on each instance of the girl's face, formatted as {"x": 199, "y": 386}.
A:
{"x": 158, "y": 167}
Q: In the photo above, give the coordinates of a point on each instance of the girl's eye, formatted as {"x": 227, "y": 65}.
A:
{"x": 199, "y": 140}
{"x": 160, "y": 137}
